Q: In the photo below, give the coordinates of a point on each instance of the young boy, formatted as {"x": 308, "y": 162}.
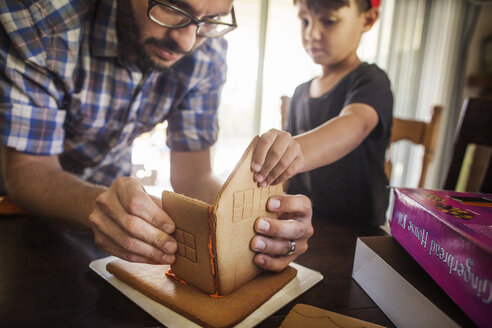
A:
{"x": 341, "y": 120}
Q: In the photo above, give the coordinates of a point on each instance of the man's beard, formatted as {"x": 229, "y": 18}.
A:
{"x": 130, "y": 40}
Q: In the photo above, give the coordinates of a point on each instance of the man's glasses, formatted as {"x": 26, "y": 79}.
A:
{"x": 168, "y": 15}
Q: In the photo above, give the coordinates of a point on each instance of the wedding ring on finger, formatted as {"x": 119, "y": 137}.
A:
{"x": 292, "y": 248}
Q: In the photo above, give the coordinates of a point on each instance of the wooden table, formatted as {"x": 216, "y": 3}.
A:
{"x": 45, "y": 278}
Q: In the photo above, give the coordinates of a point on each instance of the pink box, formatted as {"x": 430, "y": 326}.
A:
{"x": 450, "y": 235}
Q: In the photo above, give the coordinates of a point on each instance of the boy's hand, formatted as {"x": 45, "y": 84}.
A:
{"x": 277, "y": 157}
{"x": 281, "y": 241}
{"x": 130, "y": 224}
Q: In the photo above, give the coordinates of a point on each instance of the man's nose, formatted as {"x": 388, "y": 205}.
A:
{"x": 185, "y": 37}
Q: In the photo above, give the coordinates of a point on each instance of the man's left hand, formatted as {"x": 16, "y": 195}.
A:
{"x": 280, "y": 241}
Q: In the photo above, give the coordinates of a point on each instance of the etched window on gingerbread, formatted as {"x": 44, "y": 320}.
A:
{"x": 251, "y": 203}
{"x": 242, "y": 205}
{"x": 186, "y": 245}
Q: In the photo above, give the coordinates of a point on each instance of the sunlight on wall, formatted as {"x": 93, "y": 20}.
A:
{"x": 236, "y": 111}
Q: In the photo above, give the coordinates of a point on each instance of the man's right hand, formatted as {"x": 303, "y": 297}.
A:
{"x": 128, "y": 223}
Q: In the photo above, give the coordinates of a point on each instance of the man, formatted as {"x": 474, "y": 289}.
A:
{"x": 81, "y": 79}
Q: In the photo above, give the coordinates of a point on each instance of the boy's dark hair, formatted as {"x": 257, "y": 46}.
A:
{"x": 363, "y": 5}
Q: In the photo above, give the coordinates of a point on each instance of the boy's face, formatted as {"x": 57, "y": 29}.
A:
{"x": 331, "y": 36}
{"x": 152, "y": 45}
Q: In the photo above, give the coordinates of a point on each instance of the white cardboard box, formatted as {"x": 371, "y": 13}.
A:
{"x": 401, "y": 288}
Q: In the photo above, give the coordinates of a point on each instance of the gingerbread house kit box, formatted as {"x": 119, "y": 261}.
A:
{"x": 450, "y": 235}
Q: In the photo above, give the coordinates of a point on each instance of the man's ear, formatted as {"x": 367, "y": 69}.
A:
{"x": 370, "y": 16}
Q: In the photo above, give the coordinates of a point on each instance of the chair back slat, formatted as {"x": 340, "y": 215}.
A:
{"x": 419, "y": 133}
{"x": 474, "y": 127}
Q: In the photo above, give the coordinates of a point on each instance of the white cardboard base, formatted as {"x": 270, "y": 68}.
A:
{"x": 306, "y": 278}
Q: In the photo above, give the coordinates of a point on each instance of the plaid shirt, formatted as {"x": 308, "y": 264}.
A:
{"x": 66, "y": 90}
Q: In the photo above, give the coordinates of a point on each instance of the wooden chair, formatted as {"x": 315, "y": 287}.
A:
{"x": 419, "y": 133}
{"x": 474, "y": 127}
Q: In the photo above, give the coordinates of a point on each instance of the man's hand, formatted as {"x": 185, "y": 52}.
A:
{"x": 130, "y": 224}
{"x": 277, "y": 157}
{"x": 274, "y": 240}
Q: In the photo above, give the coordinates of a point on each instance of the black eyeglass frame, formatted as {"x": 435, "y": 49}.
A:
{"x": 193, "y": 19}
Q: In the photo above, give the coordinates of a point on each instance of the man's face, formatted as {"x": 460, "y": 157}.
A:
{"x": 330, "y": 36}
{"x": 150, "y": 45}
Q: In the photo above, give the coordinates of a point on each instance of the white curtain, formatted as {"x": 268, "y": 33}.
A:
{"x": 421, "y": 47}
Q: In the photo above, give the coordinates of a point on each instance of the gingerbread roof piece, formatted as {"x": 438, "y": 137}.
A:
{"x": 214, "y": 240}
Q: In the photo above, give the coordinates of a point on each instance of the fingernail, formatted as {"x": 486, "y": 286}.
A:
{"x": 263, "y": 225}
{"x": 274, "y": 203}
{"x": 261, "y": 260}
{"x": 259, "y": 177}
{"x": 256, "y": 167}
{"x": 167, "y": 259}
{"x": 168, "y": 228}
{"x": 260, "y": 245}
{"x": 170, "y": 247}
{"x": 263, "y": 184}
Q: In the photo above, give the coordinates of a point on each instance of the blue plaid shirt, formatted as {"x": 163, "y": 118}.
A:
{"x": 66, "y": 90}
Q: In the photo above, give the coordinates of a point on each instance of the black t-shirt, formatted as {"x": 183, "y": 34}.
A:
{"x": 353, "y": 189}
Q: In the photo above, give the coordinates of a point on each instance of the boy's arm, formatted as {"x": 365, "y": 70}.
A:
{"x": 279, "y": 156}
{"x": 338, "y": 137}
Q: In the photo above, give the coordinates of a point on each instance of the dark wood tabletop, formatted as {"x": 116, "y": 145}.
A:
{"x": 45, "y": 279}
